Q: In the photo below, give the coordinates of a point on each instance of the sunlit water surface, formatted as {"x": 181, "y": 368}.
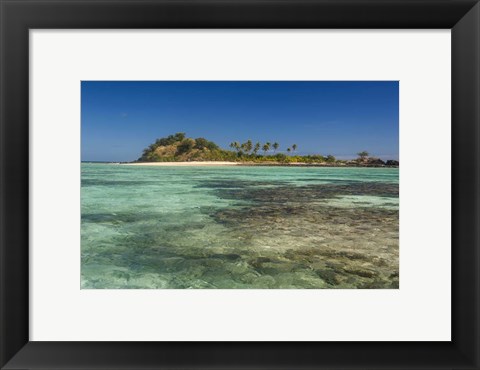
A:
{"x": 239, "y": 227}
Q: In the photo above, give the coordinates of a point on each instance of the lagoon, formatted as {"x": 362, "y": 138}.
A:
{"x": 243, "y": 227}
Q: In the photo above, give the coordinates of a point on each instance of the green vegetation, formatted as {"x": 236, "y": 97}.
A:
{"x": 363, "y": 155}
{"x": 266, "y": 148}
{"x": 180, "y": 148}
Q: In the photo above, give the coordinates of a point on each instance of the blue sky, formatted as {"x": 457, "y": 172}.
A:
{"x": 121, "y": 118}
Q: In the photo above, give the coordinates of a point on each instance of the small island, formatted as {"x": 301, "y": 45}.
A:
{"x": 178, "y": 149}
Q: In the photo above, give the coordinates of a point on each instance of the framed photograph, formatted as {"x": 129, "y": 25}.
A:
{"x": 188, "y": 212}
{"x": 237, "y": 184}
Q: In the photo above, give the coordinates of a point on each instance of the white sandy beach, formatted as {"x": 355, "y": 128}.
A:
{"x": 193, "y": 163}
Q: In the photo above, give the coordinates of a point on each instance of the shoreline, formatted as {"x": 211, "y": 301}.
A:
{"x": 251, "y": 164}
{"x": 183, "y": 164}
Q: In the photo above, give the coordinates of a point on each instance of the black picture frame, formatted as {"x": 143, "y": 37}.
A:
{"x": 19, "y": 16}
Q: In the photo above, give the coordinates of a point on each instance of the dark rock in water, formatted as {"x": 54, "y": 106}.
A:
{"x": 349, "y": 255}
{"x": 263, "y": 259}
{"x": 228, "y": 256}
{"x": 362, "y": 273}
{"x": 329, "y": 276}
{"x": 259, "y": 261}
{"x": 303, "y": 194}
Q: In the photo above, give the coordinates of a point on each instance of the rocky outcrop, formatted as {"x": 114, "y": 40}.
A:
{"x": 392, "y": 163}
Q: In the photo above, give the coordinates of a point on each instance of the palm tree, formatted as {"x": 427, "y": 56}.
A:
{"x": 275, "y": 146}
{"x": 235, "y": 145}
{"x": 248, "y": 145}
{"x": 256, "y": 148}
{"x": 289, "y": 150}
{"x": 266, "y": 148}
{"x": 294, "y": 147}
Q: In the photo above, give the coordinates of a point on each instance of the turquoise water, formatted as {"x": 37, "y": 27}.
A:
{"x": 238, "y": 227}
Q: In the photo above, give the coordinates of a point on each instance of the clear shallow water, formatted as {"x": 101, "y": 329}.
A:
{"x": 238, "y": 227}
